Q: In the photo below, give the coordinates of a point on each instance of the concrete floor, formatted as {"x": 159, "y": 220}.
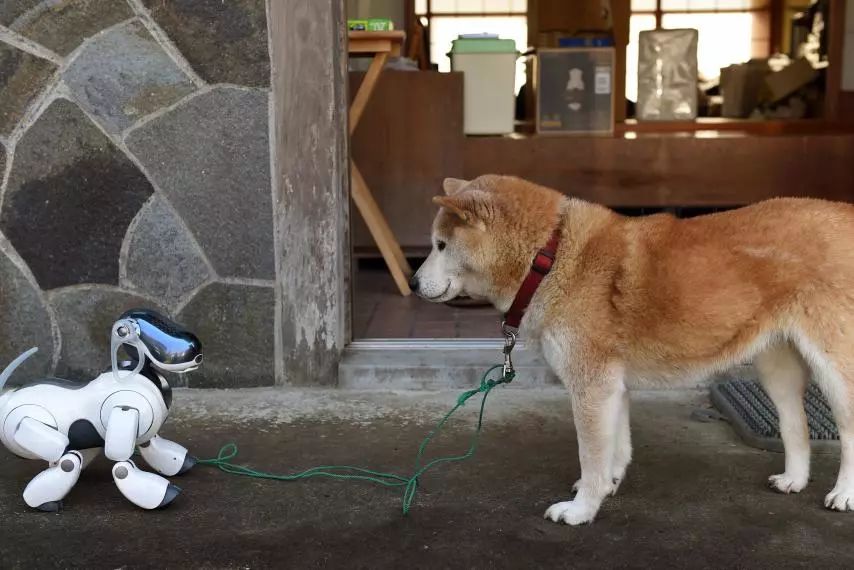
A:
{"x": 694, "y": 497}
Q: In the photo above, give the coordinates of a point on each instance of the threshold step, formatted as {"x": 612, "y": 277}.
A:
{"x": 435, "y": 364}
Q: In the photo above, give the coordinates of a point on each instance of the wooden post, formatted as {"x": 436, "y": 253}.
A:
{"x": 310, "y": 161}
{"x": 836, "y": 40}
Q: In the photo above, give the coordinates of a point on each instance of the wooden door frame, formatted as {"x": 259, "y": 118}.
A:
{"x": 311, "y": 184}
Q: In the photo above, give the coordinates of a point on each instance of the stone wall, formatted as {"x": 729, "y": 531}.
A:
{"x": 135, "y": 164}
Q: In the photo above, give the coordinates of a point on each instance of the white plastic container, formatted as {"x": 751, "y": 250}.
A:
{"x": 489, "y": 74}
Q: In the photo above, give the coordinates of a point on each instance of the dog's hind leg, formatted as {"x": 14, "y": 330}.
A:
{"x": 833, "y": 370}
{"x": 827, "y": 351}
{"x": 784, "y": 375}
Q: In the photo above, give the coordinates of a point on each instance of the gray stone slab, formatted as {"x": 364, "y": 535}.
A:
{"x": 24, "y": 321}
{"x": 70, "y": 199}
{"x": 235, "y": 325}
{"x": 22, "y": 78}
{"x": 225, "y": 42}
{"x": 62, "y": 25}
{"x": 123, "y": 75}
{"x": 85, "y": 316}
{"x": 11, "y": 10}
{"x": 211, "y": 158}
{"x": 162, "y": 259}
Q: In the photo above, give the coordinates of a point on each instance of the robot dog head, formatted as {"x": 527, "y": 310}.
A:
{"x": 168, "y": 346}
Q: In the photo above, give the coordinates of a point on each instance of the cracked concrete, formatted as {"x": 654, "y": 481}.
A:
{"x": 695, "y": 496}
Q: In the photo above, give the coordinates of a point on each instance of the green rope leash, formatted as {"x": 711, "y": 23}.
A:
{"x": 223, "y": 461}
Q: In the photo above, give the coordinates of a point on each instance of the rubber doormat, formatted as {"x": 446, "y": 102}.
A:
{"x": 750, "y": 411}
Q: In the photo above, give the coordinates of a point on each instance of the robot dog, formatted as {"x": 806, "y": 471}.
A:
{"x": 69, "y": 423}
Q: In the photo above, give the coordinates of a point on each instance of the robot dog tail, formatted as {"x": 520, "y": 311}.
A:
{"x": 4, "y": 376}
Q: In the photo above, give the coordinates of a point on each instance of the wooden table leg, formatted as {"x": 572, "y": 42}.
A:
{"x": 363, "y": 95}
{"x": 362, "y": 197}
{"x": 380, "y": 230}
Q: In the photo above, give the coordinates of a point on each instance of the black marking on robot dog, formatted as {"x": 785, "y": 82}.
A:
{"x": 83, "y": 435}
{"x": 149, "y": 372}
{"x": 754, "y": 417}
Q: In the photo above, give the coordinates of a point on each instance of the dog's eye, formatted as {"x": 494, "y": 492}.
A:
{"x": 440, "y": 245}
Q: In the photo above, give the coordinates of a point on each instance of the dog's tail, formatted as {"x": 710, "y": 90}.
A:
{"x": 4, "y": 376}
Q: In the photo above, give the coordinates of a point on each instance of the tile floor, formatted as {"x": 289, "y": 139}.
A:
{"x": 379, "y": 311}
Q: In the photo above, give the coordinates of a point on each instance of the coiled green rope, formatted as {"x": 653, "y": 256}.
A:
{"x": 223, "y": 461}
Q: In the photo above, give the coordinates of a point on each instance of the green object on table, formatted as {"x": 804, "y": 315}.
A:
{"x": 482, "y": 45}
{"x": 410, "y": 484}
{"x": 370, "y": 25}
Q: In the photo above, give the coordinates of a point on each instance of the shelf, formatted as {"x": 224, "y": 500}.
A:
{"x": 772, "y": 127}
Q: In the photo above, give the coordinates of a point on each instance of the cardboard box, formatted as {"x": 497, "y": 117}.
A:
{"x": 788, "y": 80}
{"x": 741, "y": 88}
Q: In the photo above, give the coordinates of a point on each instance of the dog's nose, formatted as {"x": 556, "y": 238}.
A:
{"x": 413, "y": 282}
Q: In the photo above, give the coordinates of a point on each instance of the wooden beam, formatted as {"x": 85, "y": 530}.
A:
{"x": 777, "y": 9}
{"x": 835, "y": 43}
{"x": 621, "y": 12}
{"x": 310, "y": 187}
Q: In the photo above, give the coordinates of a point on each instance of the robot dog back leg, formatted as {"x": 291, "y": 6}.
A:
{"x": 46, "y": 491}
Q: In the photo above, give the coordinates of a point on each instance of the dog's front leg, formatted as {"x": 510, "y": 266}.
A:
{"x": 597, "y": 402}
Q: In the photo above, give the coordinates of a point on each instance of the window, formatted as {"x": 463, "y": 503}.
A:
{"x": 731, "y": 31}
{"x": 447, "y": 19}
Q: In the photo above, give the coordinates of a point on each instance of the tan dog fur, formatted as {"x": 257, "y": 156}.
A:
{"x": 659, "y": 300}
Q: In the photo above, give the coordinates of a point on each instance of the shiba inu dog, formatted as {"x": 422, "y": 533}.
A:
{"x": 662, "y": 301}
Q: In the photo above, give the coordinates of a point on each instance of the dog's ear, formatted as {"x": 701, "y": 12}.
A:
{"x": 473, "y": 207}
{"x": 452, "y": 186}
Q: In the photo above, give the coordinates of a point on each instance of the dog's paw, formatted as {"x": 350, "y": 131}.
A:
{"x": 786, "y": 484}
{"x": 575, "y": 486}
{"x": 572, "y": 513}
{"x": 840, "y": 499}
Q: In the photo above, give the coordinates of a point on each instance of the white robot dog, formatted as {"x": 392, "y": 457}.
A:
{"x": 68, "y": 423}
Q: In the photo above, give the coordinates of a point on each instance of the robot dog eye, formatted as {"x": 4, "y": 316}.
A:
{"x": 169, "y": 344}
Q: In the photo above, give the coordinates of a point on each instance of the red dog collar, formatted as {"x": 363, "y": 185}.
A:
{"x": 541, "y": 266}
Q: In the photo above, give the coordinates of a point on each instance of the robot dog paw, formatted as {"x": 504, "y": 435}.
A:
{"x": 50, "y": 507}
{"x": 172, "y": 491}
{"x": 189, "y": 463}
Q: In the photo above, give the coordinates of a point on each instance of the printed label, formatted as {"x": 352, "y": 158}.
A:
{"x": 603, "y": 81}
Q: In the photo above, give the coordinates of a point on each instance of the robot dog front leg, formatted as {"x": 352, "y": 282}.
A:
{"x": 167, "y": 457}
{"x": 46, "y": 491}
{"x": 145, "y": 490}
